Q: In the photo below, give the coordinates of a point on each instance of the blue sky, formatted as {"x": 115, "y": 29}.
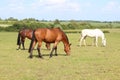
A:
{"x": 102, "y": 10}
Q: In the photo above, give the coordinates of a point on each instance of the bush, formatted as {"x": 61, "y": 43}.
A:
{"x": 20, "y": 25}
{"x": 106, "y": 31}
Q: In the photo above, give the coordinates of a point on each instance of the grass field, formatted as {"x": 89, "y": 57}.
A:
{"x": 84, "y": 63}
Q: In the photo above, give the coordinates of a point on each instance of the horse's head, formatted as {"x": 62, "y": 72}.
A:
{"x": 104, "y": 42}
{"x": 67, "y": 49}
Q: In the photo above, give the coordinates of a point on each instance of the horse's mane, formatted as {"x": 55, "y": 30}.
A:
{"x": 64, "y": 35}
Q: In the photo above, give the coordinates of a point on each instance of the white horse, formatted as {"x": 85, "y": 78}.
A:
{"x": 95, "y": 33}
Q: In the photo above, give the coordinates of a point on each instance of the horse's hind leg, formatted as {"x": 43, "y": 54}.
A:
{"x": 38, "y": 48}
{"x": 23, "y": 45}
{"x": 32, "y": 45}
{"x": 23, "y": 41}
{"x": 51, "y": 54}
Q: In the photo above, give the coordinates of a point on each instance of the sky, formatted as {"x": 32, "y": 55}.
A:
{"x": 100, "y": 10}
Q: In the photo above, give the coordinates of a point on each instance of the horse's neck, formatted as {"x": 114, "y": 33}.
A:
{"x": 103, "y": 37}
{"x": 65, "y": 40}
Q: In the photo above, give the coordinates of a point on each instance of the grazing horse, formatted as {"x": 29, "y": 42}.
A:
{"x": 95, "y": 33}
{"x": 22, "y": 35}
{"x": 53, "y": 35}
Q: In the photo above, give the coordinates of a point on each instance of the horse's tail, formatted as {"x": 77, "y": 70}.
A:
{"x": 32, "y": 41}
{"x": 18, "y": 39}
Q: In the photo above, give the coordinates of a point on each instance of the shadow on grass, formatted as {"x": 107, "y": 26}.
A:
{"x": 43, "y": 55}
{"x": 34, "y": 49}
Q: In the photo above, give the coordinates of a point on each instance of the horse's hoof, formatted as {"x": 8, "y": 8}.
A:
{"x": 30, "y": 57}
{"x": 23, "y": 49}
{"x": 41, "y": 57}
{"x": 68, "y": 54}
{"x": 17, "y": 49}
{"x": 50, "y": 56}
{"x": 56, "y": 54}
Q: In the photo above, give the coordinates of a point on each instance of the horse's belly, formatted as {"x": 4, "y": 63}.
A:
{"x": 49, "y": 40}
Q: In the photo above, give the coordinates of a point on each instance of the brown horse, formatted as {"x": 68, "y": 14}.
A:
{"x": 22, "y": 35}
{"x": 54, "y": 35}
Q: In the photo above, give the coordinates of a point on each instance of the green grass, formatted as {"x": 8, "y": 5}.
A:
{"x": 84, "y": 63}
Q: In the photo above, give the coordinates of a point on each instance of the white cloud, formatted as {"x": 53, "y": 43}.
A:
{"x": 112, "y": 7}
{"x": 16, "y": 8}
{"x": 53, "y": 5}
{"x": 60, "y": 9}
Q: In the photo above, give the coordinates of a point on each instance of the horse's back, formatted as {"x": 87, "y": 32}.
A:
{"x": 91, "y": 32}
{"x": 40, "y": 32}
{"x": 99, "y": 32}
{"x": 88, "y": 32}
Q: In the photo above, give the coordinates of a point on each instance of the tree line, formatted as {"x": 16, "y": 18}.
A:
{"x": 16, "y": 25}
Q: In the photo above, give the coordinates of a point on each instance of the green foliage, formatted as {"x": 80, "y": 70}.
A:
{"x": 15, "y": 25}
{"x": 11, "y": 19}
{"x": 106, "y": 31}
{"x": 32, "y": 25}
{"x": 56, "y": 22}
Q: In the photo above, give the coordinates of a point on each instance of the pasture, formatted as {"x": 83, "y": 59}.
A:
{"x": 84, "y": 63}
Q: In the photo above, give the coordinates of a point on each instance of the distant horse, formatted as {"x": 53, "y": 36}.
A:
{"x": 95, "y": 33}
{"x": 54, "y": 35}
{"x": 22, "y": 35}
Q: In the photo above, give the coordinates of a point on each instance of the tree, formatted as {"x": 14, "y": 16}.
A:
{"x": 11, "y": 19}
{"x": 56, "y": 22}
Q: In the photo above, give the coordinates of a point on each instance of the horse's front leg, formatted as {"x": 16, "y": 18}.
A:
{"x": 56, "y": 51}
{"x": 23, "y": 45}
{"x": 54, "y": 48}
{"x": 84, "y": 42}
{"x": 81, "y": 41}
{"x": 31, "y": 56}
{"x": 51, "y": 53}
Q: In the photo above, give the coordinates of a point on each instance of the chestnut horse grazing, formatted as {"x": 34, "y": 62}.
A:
{"x": 54, "y": 35}
{"x": 22, "y": 35}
